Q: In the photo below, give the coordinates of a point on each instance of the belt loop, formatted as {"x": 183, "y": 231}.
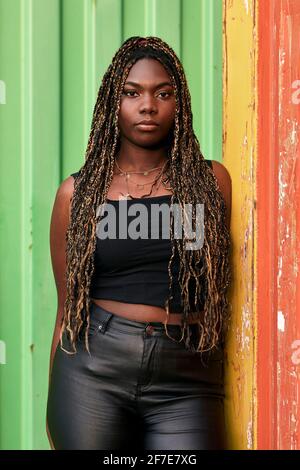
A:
{"x": 104, "y": 323}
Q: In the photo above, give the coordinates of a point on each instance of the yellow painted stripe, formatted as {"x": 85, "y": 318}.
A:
{"x": 239, "y": 157}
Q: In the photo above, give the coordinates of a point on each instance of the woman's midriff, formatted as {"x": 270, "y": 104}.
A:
{"x": 140, "y": 312}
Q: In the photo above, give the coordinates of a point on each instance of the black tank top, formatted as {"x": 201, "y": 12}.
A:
{"x": 136, "y": 270}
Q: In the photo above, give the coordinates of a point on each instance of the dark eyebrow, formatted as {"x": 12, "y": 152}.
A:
{"x": 156, "y": 86}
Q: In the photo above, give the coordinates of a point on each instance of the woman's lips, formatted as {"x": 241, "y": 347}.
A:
{"x": 147, "y": 127}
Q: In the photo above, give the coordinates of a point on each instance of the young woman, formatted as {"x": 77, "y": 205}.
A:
{"x": 137, "y": 352}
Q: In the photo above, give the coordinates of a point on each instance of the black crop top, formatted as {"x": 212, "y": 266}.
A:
{"x": 136, "y": 270}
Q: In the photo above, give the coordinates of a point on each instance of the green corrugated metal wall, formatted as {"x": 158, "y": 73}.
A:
{"x": 53, "y": 54}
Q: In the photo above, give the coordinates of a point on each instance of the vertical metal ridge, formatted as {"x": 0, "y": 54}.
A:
{"x": 61, "y": 81}
{"x": 211, "y": 78}
{"x": 89, "y": 59}
{"x": 181, "y": 12}
{"x": 122, "y": 28}
{"x": 201, "y": 55}
{"x": 26, "y": 240}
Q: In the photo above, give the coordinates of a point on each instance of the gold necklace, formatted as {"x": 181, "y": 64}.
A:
{"x": 145, "y": 173}
{"x": 159, "y": 176}
{"x": 140, "y": 185}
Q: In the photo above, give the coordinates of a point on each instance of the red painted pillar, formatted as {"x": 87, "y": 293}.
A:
{"x": 278, "y": 221}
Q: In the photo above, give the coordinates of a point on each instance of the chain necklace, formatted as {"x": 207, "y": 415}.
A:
{"x": 158, "y": 179}
{"x": 145, "y": 173}
{"x": 139, "y": 185}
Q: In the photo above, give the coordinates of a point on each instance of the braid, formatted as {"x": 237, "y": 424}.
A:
{"x": 192, "y": 181}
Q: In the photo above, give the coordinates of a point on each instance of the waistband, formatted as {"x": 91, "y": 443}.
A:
{"x": 104, "y": 316}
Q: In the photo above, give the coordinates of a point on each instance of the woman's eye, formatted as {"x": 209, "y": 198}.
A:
{"x": 164, "y": 93}
{"x": 129, "y": 91}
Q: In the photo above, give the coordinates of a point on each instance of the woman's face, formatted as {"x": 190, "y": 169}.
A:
{"x": 148, "y": 94}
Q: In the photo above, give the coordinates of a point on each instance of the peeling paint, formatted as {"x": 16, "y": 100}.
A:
{"x": 280, "y": 321}
{"x": 239, "y": 143}
{"x": 295, "y": 357}
{"x": 249, "y": 435}
{"x": 287, "y": 383}
{"x": 246, "y": 325}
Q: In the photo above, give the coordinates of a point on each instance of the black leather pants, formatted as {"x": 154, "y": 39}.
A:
{"x": 138, "y": 390}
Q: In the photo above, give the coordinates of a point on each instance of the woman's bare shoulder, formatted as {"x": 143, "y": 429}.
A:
{"x": 63, "y": 197}
{"x": 66, "y": 187}
{"x": 225, "y": 184}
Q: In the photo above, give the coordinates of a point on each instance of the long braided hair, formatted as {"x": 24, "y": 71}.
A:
{"x": 192, "y": 181}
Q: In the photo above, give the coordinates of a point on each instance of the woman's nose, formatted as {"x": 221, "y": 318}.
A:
{"x": 148, "y": 104}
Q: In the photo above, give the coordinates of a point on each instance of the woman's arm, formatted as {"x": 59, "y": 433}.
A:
{"x": 225, "y": 185}
{"x": 60, "y": 219}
